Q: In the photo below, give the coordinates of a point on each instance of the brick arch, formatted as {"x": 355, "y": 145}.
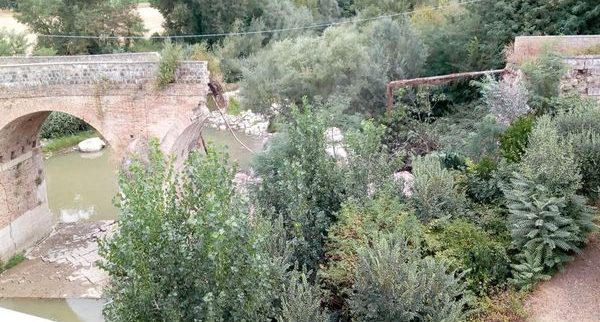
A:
{"x": 115, "y": 94}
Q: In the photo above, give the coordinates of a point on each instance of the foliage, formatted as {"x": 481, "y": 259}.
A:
{"x": 393, "y": 283}
{"x": 201, "y": 52}
{"x": 465, "y": 247}
{"x": 543, "y": 77}
{"x": 582, "y": 126}
{"x": 301, "y": 301}
{"x": 44, "y": 51}
{"x": 170, "y": 58}
{"x": 435, "y": 191}
{"x": 68, "y": 17}
{"x": 504, "y": 305}
{"x": 514, "y": 140}
{"x": 234, "y": 108}
{"x": 546, "y": 226}
{"x": 343, "y": 62}
{"x": 12, "y": 43}
{"x": 481, "y": 181}
{"x": 529, "y": 271}
{"x": 61, "y": 124}
{"x": 185, "y": 249}
{"x": 12, "y": 262}
{"x": 484, "y": 142}
{"x": 506, "y": 99}
{"x": 359, "y": 225}
{"x": 300, "y": 183}
{"x": 549, "y": 159}
{"x": 370, "y": 165}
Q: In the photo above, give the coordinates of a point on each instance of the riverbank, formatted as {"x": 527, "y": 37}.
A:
{"x": 64, "y": 144}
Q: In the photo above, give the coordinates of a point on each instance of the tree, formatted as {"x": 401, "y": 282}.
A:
{"x": 76, "y": 17}
{"x": 301, "y": 184}
{"x": 185, "y": 249}
{"x": 12, "y": 43}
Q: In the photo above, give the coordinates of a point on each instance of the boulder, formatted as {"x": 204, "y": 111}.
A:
{"x": 334, "y": 135}
{"x": 91, "y": 145}
{"x": 408, "y": 181}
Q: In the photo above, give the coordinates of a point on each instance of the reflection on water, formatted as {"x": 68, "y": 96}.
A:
{"x": 70, "y": 310}
{"x": 82, "y": 186}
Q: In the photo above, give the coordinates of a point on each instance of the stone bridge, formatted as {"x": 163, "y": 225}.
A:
{"x": 115, "y": 94}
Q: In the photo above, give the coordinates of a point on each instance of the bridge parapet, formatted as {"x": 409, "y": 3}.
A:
{"x": 130, "y": 57}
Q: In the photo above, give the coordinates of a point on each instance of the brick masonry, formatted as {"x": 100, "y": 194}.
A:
{"x": 115, "y": 94}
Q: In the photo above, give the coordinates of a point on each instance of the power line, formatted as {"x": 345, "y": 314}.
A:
{"x": 270, "y": 31}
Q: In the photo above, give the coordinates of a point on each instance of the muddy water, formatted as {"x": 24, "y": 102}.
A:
{"x": 81, "y": 187}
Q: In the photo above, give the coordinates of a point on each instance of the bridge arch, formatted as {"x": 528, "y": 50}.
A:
{"x": 115, "y": 94}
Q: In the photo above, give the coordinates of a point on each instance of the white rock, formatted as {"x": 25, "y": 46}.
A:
{"x": 334, "y": 135}
{"x": 336, "y": 151}
{"x": 222, "y": 127}
{"x": 408, "y": 180}
{"x": 91, "y": 145}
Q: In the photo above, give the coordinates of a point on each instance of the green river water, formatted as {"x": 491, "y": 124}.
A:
{"x": 81, "y": 187}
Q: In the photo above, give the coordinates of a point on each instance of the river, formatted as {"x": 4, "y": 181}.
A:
{"x": 81, "y": 187}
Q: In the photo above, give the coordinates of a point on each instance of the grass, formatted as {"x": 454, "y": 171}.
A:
{"x": 12, "y": 262}
{"x": 61, "y": 143}
{"x": 503, "y": 306}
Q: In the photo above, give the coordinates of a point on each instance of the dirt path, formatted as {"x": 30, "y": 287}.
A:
{"x": 62, "y": 266}
{"x": 573, "y": 295}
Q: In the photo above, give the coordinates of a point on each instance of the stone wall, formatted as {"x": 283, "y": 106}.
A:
{"x": 583, "y": 76}
{"x": 526, "y": 47}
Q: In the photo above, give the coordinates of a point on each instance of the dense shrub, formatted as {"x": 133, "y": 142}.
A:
{"x": 301, "y": 183}
{"x": 514, "y": 140}
{"x": 393, "y": 283}
{"x": 549, "y": 159}
{"x": 506, "y": 99}
{"x": 185, "y": 249}
{"x": 60, "y": 124}
{"x": 359, "y": 225}
{"x": 370, "y": 164}
{"x": 12, "y": 43}
{"x": 548, "y": 227}
{"x": 581, "y": 125}
{"x": 481, "y": 181}
{"x": 465, "y": 247}
{"x": 543, "y": 77}
{"x": 405, "y": 135}
{"x": 484, "y": 142}
{"x": 435, "y": 192}
{"x": 301, "y": 301}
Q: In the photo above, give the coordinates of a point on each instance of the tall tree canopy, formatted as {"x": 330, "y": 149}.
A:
{"x": 81, "y": 17}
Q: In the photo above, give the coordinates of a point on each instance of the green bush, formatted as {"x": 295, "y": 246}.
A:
{"x": 482, "y": 184}
{"x": 543, "y": 77}
{"x": 466, "y": 247}
{"x": 60, "y": 124}
{"x": 371, "y": 166}
{"x": 234, "y": 107}
{"x": 514, "y": 140}
{"x": 581, "y": 125}
{"x": 483, "y": 143}
{"x": 359, "y": 225}
{"x": 170, "y": 58}
{"x": 185, "y": 249}
{"x": 393, "y": 283}
{"x": 12, "y": 43}
{"x": 546, "y": 226}
{"x": 301, "y": 301}
{"x": 549, "y": 159}
{"x": 300, "y": 183}
{"x": 435, "y": 193}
